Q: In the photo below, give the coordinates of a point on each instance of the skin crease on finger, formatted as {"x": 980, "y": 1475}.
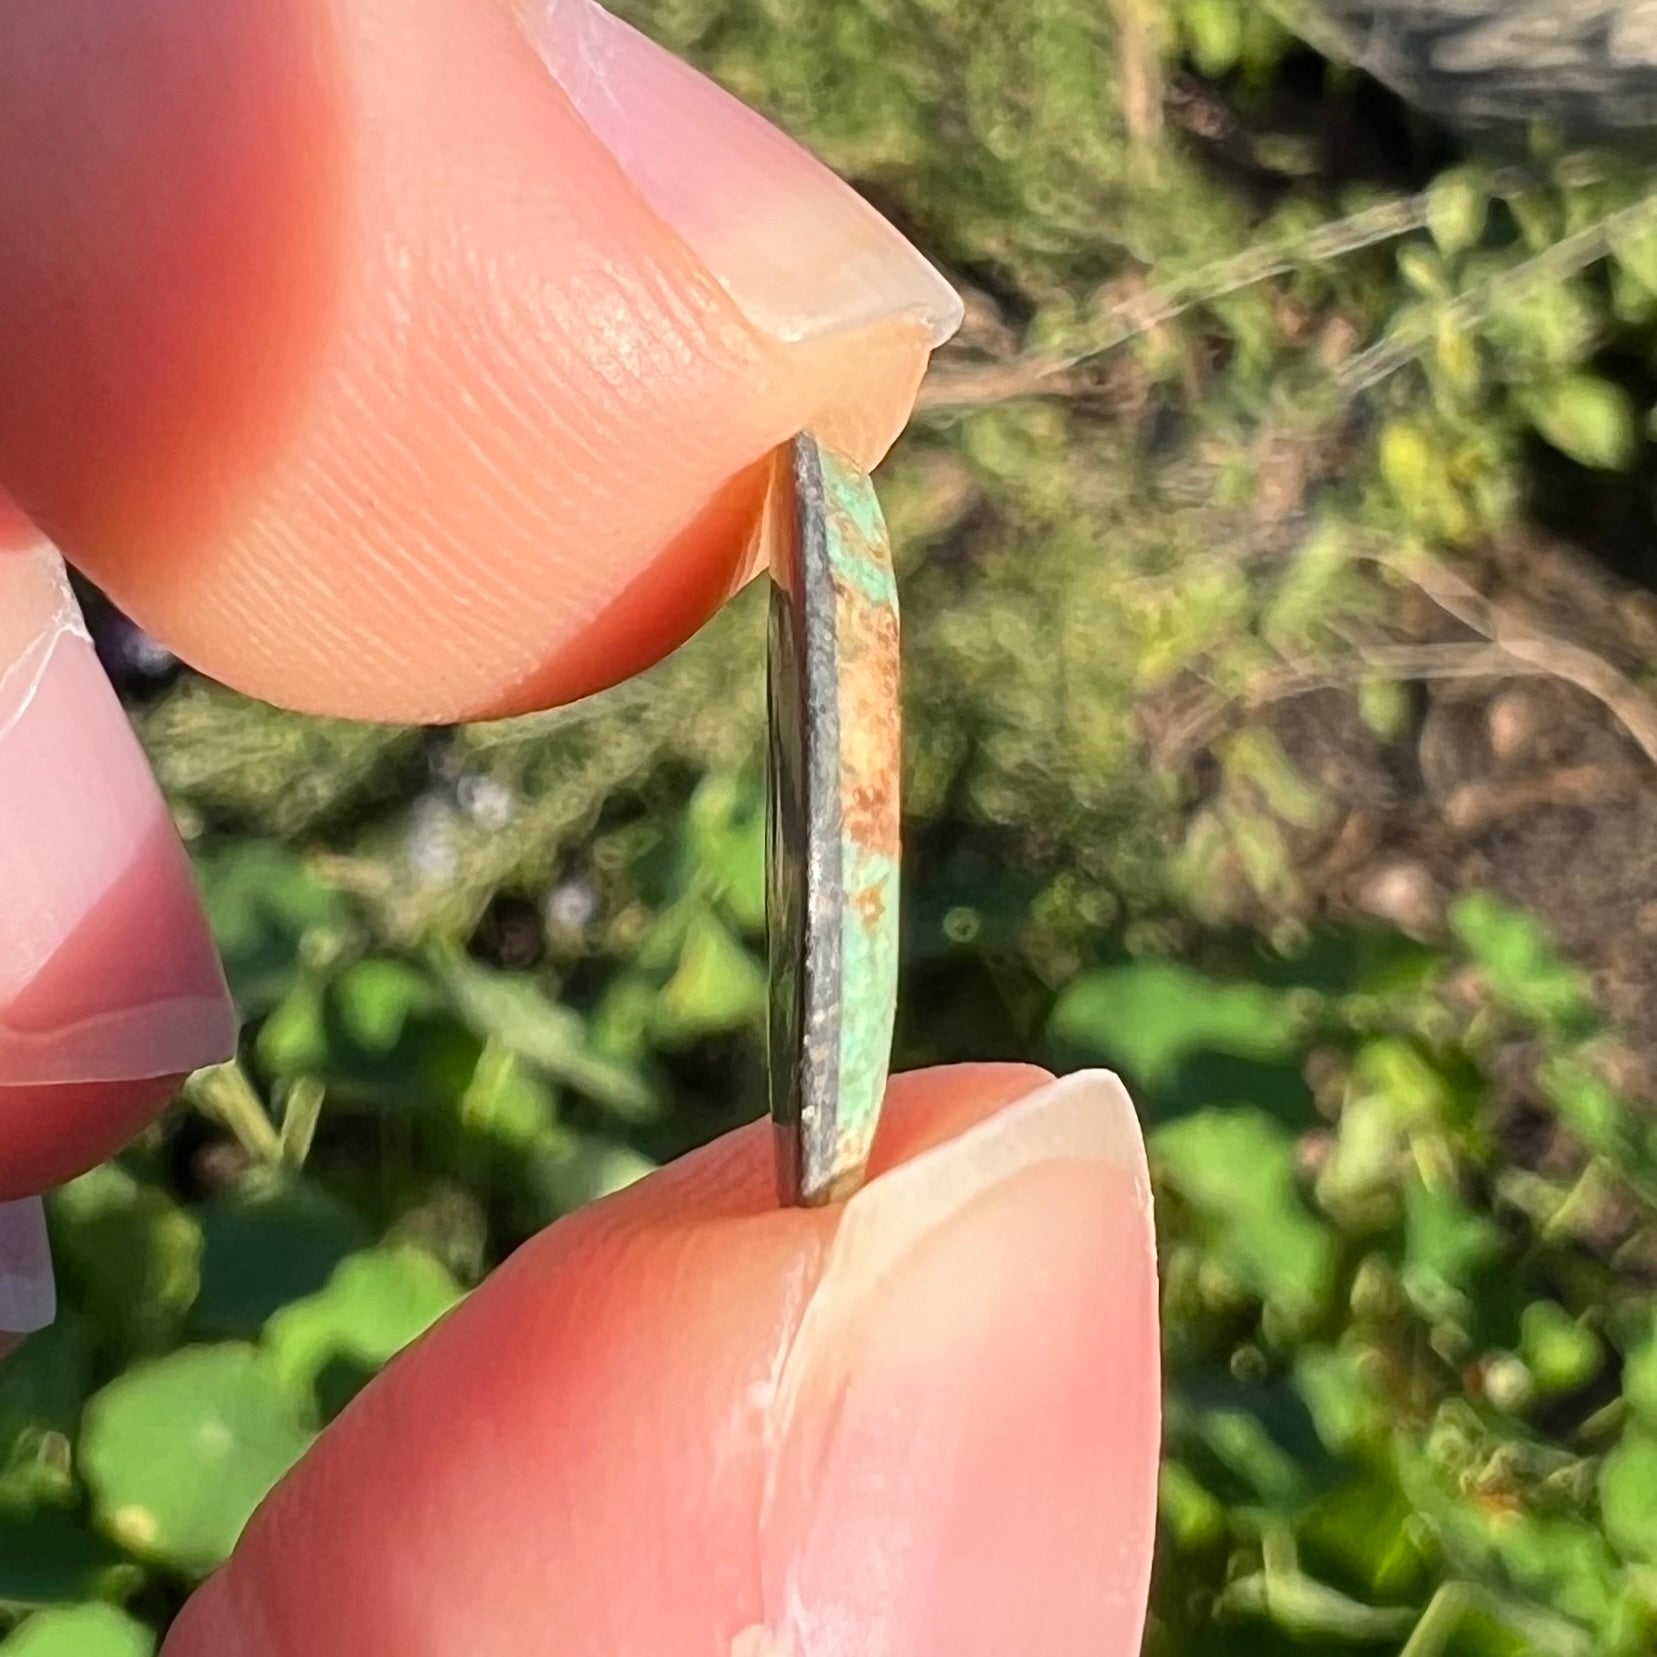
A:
{"x": 687, "y": 1424}
{"x": 378, "y": 373}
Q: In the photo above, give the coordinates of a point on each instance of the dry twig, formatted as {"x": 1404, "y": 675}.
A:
{"x": 1199, "y": 729}
{"x": 1530, "y": 649}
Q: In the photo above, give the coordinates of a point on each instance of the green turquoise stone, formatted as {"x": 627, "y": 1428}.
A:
{"x": 832, "y": 849}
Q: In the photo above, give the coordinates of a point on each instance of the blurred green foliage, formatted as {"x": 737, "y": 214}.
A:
{"x": 1226, "y": 384}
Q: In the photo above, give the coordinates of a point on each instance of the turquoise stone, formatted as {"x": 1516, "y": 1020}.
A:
{"x": 833, "y": 849}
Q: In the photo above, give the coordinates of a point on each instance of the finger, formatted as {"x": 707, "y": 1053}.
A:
{"x": 110, "y": 988}
{"x": 28, "y": 1299}
{"x": 418, "y": 358}
{"x": 686, "y": 1422}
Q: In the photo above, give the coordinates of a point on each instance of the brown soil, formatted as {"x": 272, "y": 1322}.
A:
{"x": 1526, "y": 785}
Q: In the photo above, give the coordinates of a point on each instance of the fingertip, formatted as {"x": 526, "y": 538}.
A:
{"x": 925, "y": 1108}
{"x": 969, "y": 1418}
{"x": 110, "y": 986}
{"x": 54, "y": 1132}
{"x": 801, "y": 253}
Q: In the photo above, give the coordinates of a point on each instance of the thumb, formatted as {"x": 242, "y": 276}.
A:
{"x": 684, "y": 1422}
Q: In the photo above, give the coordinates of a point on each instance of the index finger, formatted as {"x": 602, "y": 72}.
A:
{"x": 416, "y": 358}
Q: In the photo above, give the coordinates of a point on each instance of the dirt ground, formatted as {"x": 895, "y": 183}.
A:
{"x": 1538, "y": 782}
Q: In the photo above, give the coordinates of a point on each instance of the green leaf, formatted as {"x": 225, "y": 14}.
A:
{"x": 1368, "y": 1147}
{"x": 1365, "y": 1533}
{"x": 371, "y": 1308}
{"x": 274, "y": 1241}
{"x": 1415, "y": 469}
{"x": 178, "y": 1452}
{"x": 1150, "y": 1016}
{"x": 1265, "y": 42}
{"x": 1310, "y": 585}
{"x": 1590, "y": 419}
{"x": 1634, "y": 247}
{"x": 1537, "y": 215}
{"x": 81, "y": 1631}
{"x": 1633, "y": 303}
{"x": 1393, "y": 1093}
{"x": 1384, "y": 705}
{"x": 578, "y": 1169}
{"x": 1562, "y": 1563}
{"x": 1599, "y": 1117}
{"x": 507, "y": 1102}
{"x": 1561, "y": 1353}
{"x": 267, "y": 911}
{"x": 1456, "y": 357}
{"x": 1457, "y": 209}
{"x": 1214, "y": 30}
{"x": 42, "y": 1387}
{"x": 725, "y": 837}
{"x": 1628, "y": 1497}
{"x": 1263, "y": 853}
{"x": 1423, "y": 270}
{"x": 1253, "y": 1445}
{"x": 1410, "y": 462}
{"x": 1192, "y": 1517}
{"x": 551, "y": 1039}
{"x": 621, "y": 1020}
{"x": 1524, "y": 972}
{"x": 1639, "y": 1375}
{"x": 47, "y": 1557}
{"x": 1544, "y": 329}
{"x": 380, "y": 1032}
{"x": 129, "y": 1256}
{"x": 1241, "y": 1441}
{"x": 1340, "y": 1397}
{"x": 717, "y": 985}
{"x": 1257, "y": 757}
{"x": 1237, "y": 1169}
{"x": 301, "y": 1113}
{"x": 1413, "y": 1086}
{"x": 1445, "y": 1244}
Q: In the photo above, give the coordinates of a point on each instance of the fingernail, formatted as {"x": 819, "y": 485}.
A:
{"x": 107, "y": 969}
{"x": 970, "y": 1406}
{"x": 795, "y": 247}
{"x": 28, "y": 1298}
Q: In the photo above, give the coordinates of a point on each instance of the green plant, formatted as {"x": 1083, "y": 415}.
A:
{"x": 1227, "y": 490}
